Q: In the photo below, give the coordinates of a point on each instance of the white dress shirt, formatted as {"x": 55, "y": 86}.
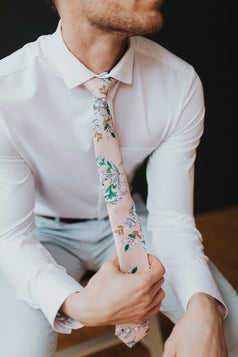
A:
{"x": 47, "y": 161}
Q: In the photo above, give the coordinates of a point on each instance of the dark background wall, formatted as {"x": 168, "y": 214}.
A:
{"x": 200, "y": 33}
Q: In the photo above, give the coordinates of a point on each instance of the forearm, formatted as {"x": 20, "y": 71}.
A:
{"x": 181, "y": 252}
{"x": 35, "y": 276}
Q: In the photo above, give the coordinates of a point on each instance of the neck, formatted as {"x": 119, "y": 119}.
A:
{"x": 98, "y": 50}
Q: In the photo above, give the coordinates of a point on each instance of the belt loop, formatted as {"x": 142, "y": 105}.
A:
{"x": 57, "y": 219}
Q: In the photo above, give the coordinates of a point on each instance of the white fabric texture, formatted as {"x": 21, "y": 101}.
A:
{"x": 47, "y": 162}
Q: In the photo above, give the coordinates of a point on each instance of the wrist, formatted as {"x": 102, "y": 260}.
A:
{"x": 72, "y": 306}
{"x": 207, "y": 303}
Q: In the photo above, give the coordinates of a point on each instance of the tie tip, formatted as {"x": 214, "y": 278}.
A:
{"x": 131, "y": 334}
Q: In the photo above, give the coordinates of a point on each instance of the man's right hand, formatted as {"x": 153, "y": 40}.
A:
{"x": 112, "y": 297}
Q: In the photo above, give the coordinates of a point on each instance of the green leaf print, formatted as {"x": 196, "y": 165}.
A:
{"x": 110, "y": 194}
{"x": 100, "y": 161}
{"x": 109, "y": 165}
{"x": 131, "y": 235}
{"x": 107, "y": 109}
{"x": 134, "y": 270}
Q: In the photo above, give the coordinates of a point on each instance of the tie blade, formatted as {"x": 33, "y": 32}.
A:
{"x": 130, "y": 334}
{"x": 122, "y": 212}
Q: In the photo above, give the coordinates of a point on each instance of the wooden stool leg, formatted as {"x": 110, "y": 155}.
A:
{"x": 153, "y": 341}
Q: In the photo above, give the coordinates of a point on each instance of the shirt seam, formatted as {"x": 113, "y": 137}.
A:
{"x": 181, "y": 106}
{"x": 188, "y": 68}
{"x": 15, "y": 146}
{"x": 26, "y": 67}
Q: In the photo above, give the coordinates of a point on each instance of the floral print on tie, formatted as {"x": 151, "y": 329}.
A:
{"x": 133, "y": 236}
{"x": 129, "y": 240}
{"x": 111, "y": 181}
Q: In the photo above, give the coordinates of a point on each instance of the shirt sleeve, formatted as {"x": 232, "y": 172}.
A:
{"x": 36, "y": 277}
{"x": 170, "y": 177}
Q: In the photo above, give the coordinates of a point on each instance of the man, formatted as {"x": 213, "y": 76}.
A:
{"x": 48, "y": 176}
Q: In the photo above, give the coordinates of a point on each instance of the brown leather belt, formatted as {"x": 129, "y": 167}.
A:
{"x": 64, "y": 220}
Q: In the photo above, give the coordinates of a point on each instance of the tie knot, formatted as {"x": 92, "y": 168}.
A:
{"x": 99, "y": 87}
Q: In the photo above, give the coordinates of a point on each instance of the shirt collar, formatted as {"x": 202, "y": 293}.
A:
{"x": 75, "y": 73}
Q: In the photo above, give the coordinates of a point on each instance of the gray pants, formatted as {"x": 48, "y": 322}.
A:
{"x": 25, "y": 332}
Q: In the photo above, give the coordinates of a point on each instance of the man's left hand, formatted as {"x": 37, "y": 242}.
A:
{"x": 199, "y": 333}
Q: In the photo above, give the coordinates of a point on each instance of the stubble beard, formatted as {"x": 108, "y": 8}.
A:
{"x": 125, "y": 24}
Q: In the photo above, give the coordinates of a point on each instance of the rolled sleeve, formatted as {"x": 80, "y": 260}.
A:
{"x": 170, "y": 178}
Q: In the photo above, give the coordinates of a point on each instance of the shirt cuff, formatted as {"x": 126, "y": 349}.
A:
{"x": 65, "y": 324}
{"x": 197, "y": 278}
{"x": 49, "y": 289}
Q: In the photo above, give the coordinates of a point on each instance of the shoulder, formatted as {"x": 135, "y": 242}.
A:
{"x": 25, "y": 57}
{"x": 166, "y": 68}
{"x": 160, "y": 56}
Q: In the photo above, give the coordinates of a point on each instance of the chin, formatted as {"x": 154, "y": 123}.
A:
{"x": 146, "y": 24}
{"x": 133, "y": 22}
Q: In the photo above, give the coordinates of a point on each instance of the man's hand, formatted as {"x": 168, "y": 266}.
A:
{"x": 112, "y": 297}
{"x": 200, "y": 332}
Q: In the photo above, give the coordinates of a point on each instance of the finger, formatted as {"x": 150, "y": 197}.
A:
{"x": 152, "y": 312}
{"x": 155, "y": 305}
{"x": 156, "y": 271}
{"x": 158, "y": 298}
{"x": 155, "y": 288}
{"x": 155, "y": 263}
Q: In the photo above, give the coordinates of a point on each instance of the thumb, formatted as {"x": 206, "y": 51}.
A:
{"x": 156, "y": 270}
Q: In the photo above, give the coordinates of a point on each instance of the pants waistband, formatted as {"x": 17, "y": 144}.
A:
{"x": 64, "y": 220}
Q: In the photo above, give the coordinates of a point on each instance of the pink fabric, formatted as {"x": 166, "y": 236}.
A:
{"x": 123, "y": 217}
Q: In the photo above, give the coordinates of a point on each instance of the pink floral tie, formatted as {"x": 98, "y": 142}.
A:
{"x": 122, "y": 213}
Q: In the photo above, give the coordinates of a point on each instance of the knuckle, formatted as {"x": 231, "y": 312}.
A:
{"x": 146, "y": 287}
{"x": 153, "y": 312}
{"x": 162, "y": 293}
{"x": 157, "y": 308}
{"x": 147, "y": 301}
{"x": 162, "y": 269}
